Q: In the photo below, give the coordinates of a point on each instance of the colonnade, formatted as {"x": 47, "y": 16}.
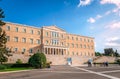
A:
{"x": 55, "y": 51}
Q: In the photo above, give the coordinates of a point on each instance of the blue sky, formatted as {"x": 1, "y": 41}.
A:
{"x": 97, "y": 18}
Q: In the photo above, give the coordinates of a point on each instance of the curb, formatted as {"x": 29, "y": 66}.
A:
{"x": 14, "y": 71}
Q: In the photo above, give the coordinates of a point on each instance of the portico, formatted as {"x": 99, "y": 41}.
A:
{"x": 50, "y": 50}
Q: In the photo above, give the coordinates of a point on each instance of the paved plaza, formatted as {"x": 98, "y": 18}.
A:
{"x": 66, "y": 72}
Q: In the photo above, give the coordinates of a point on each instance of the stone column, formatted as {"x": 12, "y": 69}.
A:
{"x": 62, "y": 51}
{"x": 44, "y": 50}
{"x": 51, "y": 51}
{"x": 57, "y": 51}
{"x": 54, "y": 52}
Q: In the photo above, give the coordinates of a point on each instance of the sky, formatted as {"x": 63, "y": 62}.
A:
{"x": 95, "y": 18}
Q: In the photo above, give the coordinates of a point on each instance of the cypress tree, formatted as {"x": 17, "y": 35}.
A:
{"x": 3, "y": 40}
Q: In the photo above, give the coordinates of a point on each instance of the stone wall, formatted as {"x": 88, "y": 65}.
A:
{"x": 55, "y": 59}
{"x": 104, "y": 59}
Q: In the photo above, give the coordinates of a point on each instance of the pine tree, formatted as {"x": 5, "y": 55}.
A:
{"x": 3, "y": 40}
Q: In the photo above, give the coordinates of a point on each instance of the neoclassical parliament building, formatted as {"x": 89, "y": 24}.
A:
{"x": 60, "y": 47}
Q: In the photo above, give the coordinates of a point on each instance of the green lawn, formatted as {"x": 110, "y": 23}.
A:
{"x": 15, "y": 69}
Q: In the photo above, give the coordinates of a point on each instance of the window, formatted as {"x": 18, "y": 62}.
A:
{"x": 55, "y": 34}
{"x": 38, "y": 32}
{"x": 52, "y": 42}
{"x": 68, "y": 37}
{"x": 8, "y": 28}
{"x": 77, "y": 53}
{"x": 84, "y": 40}
{"x": 31, "y": 31}
{"x": 85, "y": 53}
{"x": 80, "y": 39}
{"x": 88, "y": 47}
{"x": 38, "y": 41}
{"x": 88, "y": 40}
{"x": 16, "y": 39}
{"x": 15, "y": 49}
{"x": 72, "y": 45}
{"x": 84, "y": 46}
{"x": 62, "y": 35}
{"x": 31, "y": 41}
{"x": 62, "y": 43}
{"x": 24, "y": 30}
{"x": 81, "y": 53}
{"x": 16, "y": 29}
{"x": 46, "y": 33}
{"x": 31, "y": 51}
{"x": 76, "y": 39}
{"x": 55, "y": 42}
{"x": 68, "y": 44}
{"x": 46, "y": 42}
{"x": 68, "y": 52}
{"x": 73, "y": 53}
{"x": 23, "y": 50}
{"x": 24, "y": 40}
{"x": 76, "y": 45}
{"x": 80, "y": 45}
{"x": 91, "y": 40}
{"x": 91, "y": 47}
{"x": 8, "y": 38}
{"x": 72, "y": 38}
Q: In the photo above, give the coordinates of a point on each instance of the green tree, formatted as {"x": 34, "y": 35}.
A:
{"x": 38, "y": 60}
{"x": 3, "y": 51}
{"x": 109, "y": 52}
{"x": 19, "y": 61}
{"x": 98, "y": 54}
{"x": 116, "y": 54}
{"x": 1, "y": 17}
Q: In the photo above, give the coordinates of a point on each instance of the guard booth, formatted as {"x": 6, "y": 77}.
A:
{"x": 69, "y": 61}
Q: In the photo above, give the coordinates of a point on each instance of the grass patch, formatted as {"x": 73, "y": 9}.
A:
{"x": 15, "y": 69}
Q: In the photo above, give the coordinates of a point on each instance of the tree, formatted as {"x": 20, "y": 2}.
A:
{"x": 116, "y": 54}
{"x": 108, "y": 51}
{"x": 3, "y": 40}
{"x": 38, "y": 60}
{"x": 1, "y": 17}
{"x": 19, "y": 61}
{"x": 98, "y": 54}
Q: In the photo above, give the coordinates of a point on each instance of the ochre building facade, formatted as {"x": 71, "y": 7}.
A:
{"x": 59, "y": 46}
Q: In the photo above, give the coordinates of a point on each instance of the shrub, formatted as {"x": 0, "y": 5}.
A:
{"x": 19, "y": 61}
{"x": 47, "y": 65}
{"x": 8, "y": 65}
{"x": 2, "y": 67}
{"x": 20, "y": 65}
{"x": 38, "y": 60}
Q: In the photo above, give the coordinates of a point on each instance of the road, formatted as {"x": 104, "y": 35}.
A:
{"x": 66, "y": 72}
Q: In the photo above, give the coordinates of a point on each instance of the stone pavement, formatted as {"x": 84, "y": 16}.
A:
{"x": 67, "y": 72}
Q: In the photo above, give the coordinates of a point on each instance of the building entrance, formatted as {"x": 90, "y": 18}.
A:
{"x": 69, "y": 61}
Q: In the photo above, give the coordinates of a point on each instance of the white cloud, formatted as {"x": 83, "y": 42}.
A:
{"x": 114, "y": 25}
{"x": 98, "y": 17}
{"x": 91, "y": 20}
{"x": 113, "y": 42}
{"x": 107, "y": 13}
{"x": 115, "y": 10}
{"x": 116, "y": 2}
{"x": 112, "y": 39}
{"x": 84, "y": 2}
